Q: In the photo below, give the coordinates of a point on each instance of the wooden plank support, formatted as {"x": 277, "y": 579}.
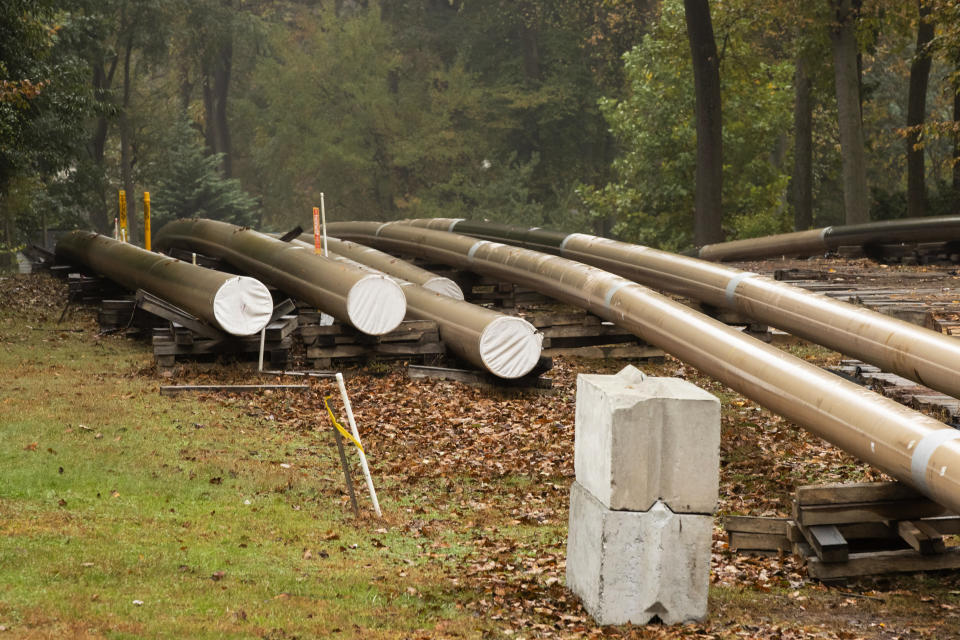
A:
{"x": 810, "y": 515}
{"x": 167, "y": 311}
{"x": 827, "y": 542}
{"x": 845, "y": 493}
{"x": 921, "y": 536}
{"x": 879, "y": 562}
{"x": 170, "y": 390}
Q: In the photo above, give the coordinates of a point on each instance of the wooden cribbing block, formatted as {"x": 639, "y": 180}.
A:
{"x": 921, "y": 536}
{"x": 827, "y": 542}
{"x": 878, "y": 562}
{"x": 845, "y": 493}
{"x": 751, "y": 533}
{"x": 818, "y": 514}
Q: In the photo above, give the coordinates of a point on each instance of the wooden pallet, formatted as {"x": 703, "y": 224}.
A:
{"x": 178, "y": 343}
{"x": 337, "y": 343}
{"x": 575, "y": 332}
{"x": 849, "y": 530}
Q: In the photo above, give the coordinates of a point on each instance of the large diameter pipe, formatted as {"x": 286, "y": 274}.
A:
{"x": 239, "y": 305}
{"x": 928, "y": 357}
{"x": 906, "y": 444}
{"x": 373, "y": 304}
{"x": 506, "y": 346}
{"x": 797, "y": 243}
{"x": 390, "y": 265}
{"x": 932, "y": 229}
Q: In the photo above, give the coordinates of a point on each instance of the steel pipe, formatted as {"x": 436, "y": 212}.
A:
{"x": 805, "y": 243}
{"x": 390, "y": 265}
{"x": 908, "y": 445}
{"x": 373, "y": 304}
{"x": 236, "y": 304}
{"x": 926, "y": 356}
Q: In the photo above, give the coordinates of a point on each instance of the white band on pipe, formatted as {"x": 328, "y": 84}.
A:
{"x": 380, "y": 228}
{"x": 563, "y": 245}
{"x": 613, "y": 290}
{"x": 925, "y": 448}
{"x": 735, "y": 282}
{"x": 455, "y": 222}
{"x": 476, "y": 245}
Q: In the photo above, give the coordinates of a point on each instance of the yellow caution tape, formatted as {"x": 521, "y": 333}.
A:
{"x": 346, "y": 434}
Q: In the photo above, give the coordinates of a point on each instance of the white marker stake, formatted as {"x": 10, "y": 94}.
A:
{"x": 263, "y": 338}
{"x": 356, "y": 435}
{"x": 323, "y": 218}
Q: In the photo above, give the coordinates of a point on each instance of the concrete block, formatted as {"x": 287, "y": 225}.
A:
{"x": 627, "y": 566}
{"x": 641, "y": 439}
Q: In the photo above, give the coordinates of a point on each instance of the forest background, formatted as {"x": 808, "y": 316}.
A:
{"x": 573, "y": 114}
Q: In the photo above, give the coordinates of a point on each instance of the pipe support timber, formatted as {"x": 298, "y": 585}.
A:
{"x": 374, "y": 304}
{"x": 928, "y": 357}
{"x": 506, "y": 346}
{"x": 908, "y": 445}
{"x": 236, "y": 304}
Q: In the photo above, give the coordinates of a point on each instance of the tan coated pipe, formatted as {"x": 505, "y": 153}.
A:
{"x": 390, "y": 265}
{"x": 797, "y": 243}
{"x": 372, "y": 303}
{"x": 926, "y": 356}
{"x": 236, "y": 304}
{"x": 908, "y": 445}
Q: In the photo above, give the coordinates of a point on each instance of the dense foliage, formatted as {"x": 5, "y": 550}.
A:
{"x": 574, "y": 114}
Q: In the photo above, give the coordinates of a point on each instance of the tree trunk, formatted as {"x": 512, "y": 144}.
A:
{"x": 708, "y": 212}
{"x": 96, "y": 148}
{"x": 843, "y": 38}
{"x": 216, "y": 86}
{"x": 916, "y": 114}
{"x": 126, "y": 151}
{"x": 802, "y": 179}
{"x": 956, "y": 141}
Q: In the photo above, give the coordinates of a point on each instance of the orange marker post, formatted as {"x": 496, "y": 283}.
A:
{"x": 146, "y": 220}
{"x": 316, "y": 230}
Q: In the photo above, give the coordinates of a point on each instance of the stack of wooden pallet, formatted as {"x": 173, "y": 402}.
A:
{"x": 84, "y": 289}
{"x": 574, "y": 332}
{"x": 331, "y": 344}
{"x": 849, "y": 530}
{"x": 116, "y": 314}
{"x": 504, "y": 295}
{"x": 177, "y": 341}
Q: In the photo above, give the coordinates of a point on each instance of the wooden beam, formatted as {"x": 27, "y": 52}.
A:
{"x": 921, "y": 536}
{"x": 230, "y": 388}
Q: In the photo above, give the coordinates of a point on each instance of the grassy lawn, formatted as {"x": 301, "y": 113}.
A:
{"x": 127, "y": 514}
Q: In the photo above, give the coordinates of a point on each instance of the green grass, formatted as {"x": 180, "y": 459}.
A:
{"x": 126, "y": 514}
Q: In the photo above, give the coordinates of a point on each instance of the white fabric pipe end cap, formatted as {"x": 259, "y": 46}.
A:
{"x": 242, "y": 306}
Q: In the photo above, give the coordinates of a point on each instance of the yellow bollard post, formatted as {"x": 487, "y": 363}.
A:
{"x": 146, "y": 220}
{"x": 122, "y": 214}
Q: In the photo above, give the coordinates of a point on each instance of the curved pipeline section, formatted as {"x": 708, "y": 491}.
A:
{"x": 238, "y": 305}
{"x": 390, "y": 265}
{"x": 804, "y": 243}
{"x": 506, "y": 346}
{"x": 928, "y": 357}
{"x": 908, "y": 445}
{"x": 372, "y": 303}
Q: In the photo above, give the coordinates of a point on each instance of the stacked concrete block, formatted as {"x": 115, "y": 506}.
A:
{"x": 647, "y": 463}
